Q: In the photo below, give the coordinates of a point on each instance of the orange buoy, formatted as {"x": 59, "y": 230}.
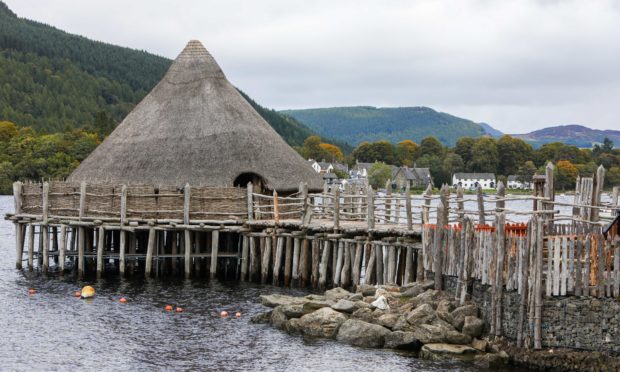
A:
{"x": 168, "y": 308}
{"x": 179, "y": 309}
{"x": 88, "y": 292}
{"x": 122, "y": 300}
{"x": 238, "y": 314}
{"x": 77, "y": 294}
{"x": 223, "y": 313}
{"x": 32, "y": 291}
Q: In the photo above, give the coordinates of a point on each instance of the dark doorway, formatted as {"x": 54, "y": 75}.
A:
{"x": 243, "y": 179}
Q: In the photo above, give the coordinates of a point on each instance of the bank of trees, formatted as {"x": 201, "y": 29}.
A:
{"x": 504, "y": 156}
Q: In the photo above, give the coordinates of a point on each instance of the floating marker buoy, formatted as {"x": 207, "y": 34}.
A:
{"x": 88, "y": 292}
{"x": 32, "y": 291}
{"x": 223, "y": 313}
{"x": 238, "y": 314}
{"x": 168, "y": 308}
{"x": 179, "y": 309}
{"x": 77, "y": 294}
{"x": 122, "y": 300}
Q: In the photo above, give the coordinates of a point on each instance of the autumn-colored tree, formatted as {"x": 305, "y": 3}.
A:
{"x": 335, "y": 154}
{"x": 565, "y": 175}
{"x": 405, "y": 152}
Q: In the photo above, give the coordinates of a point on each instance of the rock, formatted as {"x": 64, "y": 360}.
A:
{"x": 427, "y": 297}
{"x": 355, "y": 297}
{"x": 473, "y": 326}
{"x": 274, "y": 300}
{"x": 446, "y": 317}
{"x": 491, "y": 361}
{"x": 292, "y": 326}
{"x": 315, "y": 297}
{"x": 402, "y": 324}
{"x": 413, "y": 291}
{"x": 324, "y": 322}
{"x": 311, "y": 306}
{"x": 381, "y": 292}
{"x": 366, "y": 290}
{"x": 443, "y": 324}
{"x": 421, "y": 315}
{"x": 262, "y": 318}
{"x": 428, "y": 334}
{"x": 369, "y": 299}
{"x": 439, "y": 351}
{"x": 363, "y": 314}
{"x": 278, "y": 318}
{"x": 361, "y": 305}
{"x": 360, "y": 333}
{"x": 402, "y": 340}
{"x": 458, "y": 338}
{"x": 345, "y": 306}
{"x": 459, "y": 314}
{"x": 380, "y": 303}
{"x": 480, "y": 345}
{"x": 336, "y": 294}
{"x": 388, "y": 320}
{"x": 292, "y": 310}
{"x": 445, "y": 306}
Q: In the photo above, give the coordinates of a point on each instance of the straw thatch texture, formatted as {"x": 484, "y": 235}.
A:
{"x": 194, "y": 127}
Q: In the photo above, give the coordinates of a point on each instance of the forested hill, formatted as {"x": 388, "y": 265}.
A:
{"x": 53, "y": 81}
{"x": 576, "y": 135}
{"x": 363, "y": 123}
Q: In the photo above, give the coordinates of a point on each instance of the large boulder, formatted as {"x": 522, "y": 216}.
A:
{"x": 428, "y": 334}
{"x": 366, "y": 289}
{"x": 427, "y": 297}
{"x": 292, "y": 326}
{"x": 360, "y": 333}
{"x": 355, "y": 297}
{"x": 324, "y": 322}
{"x": 421, "y": 315}
{"x": 473, "y": 326}
{"x": 388, "y": 320}
{"x": 380, "y": 303}
{"x": 445, "y": 306}
{"x": 292, "y": 310}
{"x": 402, "y": 340}
{"x": 459, "y": 314}
{"x": 439, "y": 351}
{"x": 336, "y": 294}
{"x": 261, "y": 318}
{"x": 313, "y": 305}
{"x": 278, "y": 318}
{"x": 457, "y": 338}
{"x": 274, "y": 300}
{"x": 344, "y": 306}
{"x": 417, "y": 288}
{"x": 480, "y": 345}
{"x": 363, "y": 314}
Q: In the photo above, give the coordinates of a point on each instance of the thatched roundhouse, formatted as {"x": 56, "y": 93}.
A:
{"x": 194, "y": 127}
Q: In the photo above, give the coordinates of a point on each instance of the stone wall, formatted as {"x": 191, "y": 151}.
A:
{"x": 573, "y": 322}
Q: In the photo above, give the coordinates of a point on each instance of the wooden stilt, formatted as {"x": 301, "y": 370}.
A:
{"x": 277, "y": 262}
{"x": 199, "y": 239}
{"x": 304, "y": 263}
{"x": 296, "y": 258}
{"x": 378, "y": 248}
{"x": 245, "y": 257}
{"x": 345, "y": 275}
{"x": 324, "y": 263}
{"x": 391, "y": 266}
{"x": 339, "y": 246}
{"x": 409, "y": 270}
{"x": 62, "y": 247}
{"x": 121, "y": 252}
{"x": 255, "y": 259}
{"x": 81, "y": 241}
{"x": 149, "y": 253}
{"x": 266, "y": 259}
{"x": 19, "y": 245}
{"x": 288, "y": 261}
{"x": 174, "y": 237}
{"x": 357, "y": 263}
{"x": 100, "y": 248}
{"x": 30, "y": 247}
{"x": 187, "y": 251}
{"x": 215, "y": 244}
{"x": 370, "y": 273}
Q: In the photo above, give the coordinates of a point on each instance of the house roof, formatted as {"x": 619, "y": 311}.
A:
{"x": 341, "y": 167}
{"x": 329, "y": 176}
{"x": 475, "y": 176}
{"x": 423, "y": 174}
{"x": 194, "y": 127}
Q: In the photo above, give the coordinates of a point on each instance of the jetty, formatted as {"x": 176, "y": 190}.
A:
{"x": 194, "y": 182}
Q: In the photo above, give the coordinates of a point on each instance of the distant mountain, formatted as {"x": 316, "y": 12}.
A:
{"x": 52, "y": 80}
{"x": 573, "y": 134}
{"x": 491, "y": 131}
{"x": 364, "y": 123}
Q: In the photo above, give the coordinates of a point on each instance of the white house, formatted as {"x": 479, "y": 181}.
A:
{"x": 472, "y": 180}
{"x": 321, "y": 167}
{"x": 515, "y": 183}
{"x": 360, "y": 170}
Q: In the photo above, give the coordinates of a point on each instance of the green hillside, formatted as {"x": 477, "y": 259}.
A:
{"x": 363, "y": 123}
{"x": 53, "y": 81}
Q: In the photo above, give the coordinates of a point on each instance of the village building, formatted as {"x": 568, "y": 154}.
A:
{"x": 360, "y": 170}
{"x": 472, "y": 180}
{"x": 195, "y": 128}
{"x": 515, "y": 182}
{"x": 414, "y": 177}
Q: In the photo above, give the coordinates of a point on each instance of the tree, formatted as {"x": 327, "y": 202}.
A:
{"x": 435, "y": 165}
{"x": 565, "y": 175}
{"x": 525, "y": 173}
{"x": 463, "y": 148}
{"x": 379, "y": 174}
{"x": 452, "y": 163}
{"x": 512, "y": 152}
{"x": 381, "y": 151}
{"x": 430, "y": 146}
{"x": 8, "y": 130}
{"x": 484, "y": 155}
{"x": 405, "y": 152}
{"x": 312, "y": 149}
{"x": 335, "y": 154}
{"x": 612, "y": 177}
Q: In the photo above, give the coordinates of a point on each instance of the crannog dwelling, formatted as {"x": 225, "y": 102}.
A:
{"x": 472, "y": 180}
{"x": 414, "y": 177}
{"x": 515, "y": 182}
{"x": 195, "y": 128}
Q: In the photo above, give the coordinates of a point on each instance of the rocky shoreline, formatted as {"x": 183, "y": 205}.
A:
{"x": 415, "y": 317}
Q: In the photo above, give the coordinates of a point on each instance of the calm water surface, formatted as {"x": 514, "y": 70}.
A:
{"x": 53, "y": 330}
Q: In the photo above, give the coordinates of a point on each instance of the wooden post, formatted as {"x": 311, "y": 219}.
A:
{"x": 346, "y": 267}
{"x": 371, "y": 208}
{"x": 538, "y": 286}
{"x": 596, "y": 192}
{"x": 30, "y": 247}
{"x": 245, "y": 257}
{"x": 296, "y": 253}
{"x": 523, "y": 275}
{"x": 81, "y": 241}
{"x": 549, "y": 195}
{"x": 316, "y": 254}
{"x": 19, "y": 235}
{"x": 438, "y": 246}
{"x": 391, "y": 264}
{"x": 149, "y": 252}
{"x": 288, "y": 261}
{"x": 266, "y": 259}
{"x": 481, "y": 217}
{"x": 276, "y": 211}
{"x": 304, "y": 263}
{"x": 460, "y": 203}
{"x": 427, "y": 204}
{"x": 336, "y": 208}
{"x": 215, "y": 245}
{"x": 100, "y": 247}
{"x": 187, "y": 241}
{"x": 468, "y": 245}
{"x": 444, "y": 195}
{"x": 339, "y": 247}
{"x": 44, "y": 228}
{"x": 307, "y": 206}
{"x": 250, "y": 191}
{"x": 408, "y": 207}
{"x": 499, "y": 267}
{"x": 122, "y": 233}
{"x": 357, "y": 262}
{"x": 324, "y": 263}
{"x": 387, "y": 202}
{"x": 614, "y": 197}
{"x": 62, "y": 247}
{"x": 277, "y": 261}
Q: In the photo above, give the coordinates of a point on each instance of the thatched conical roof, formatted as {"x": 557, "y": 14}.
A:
{"x": 194, "y": 127}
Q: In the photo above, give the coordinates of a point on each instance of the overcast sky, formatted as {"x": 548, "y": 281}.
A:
{"x": 518, "y": 65}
